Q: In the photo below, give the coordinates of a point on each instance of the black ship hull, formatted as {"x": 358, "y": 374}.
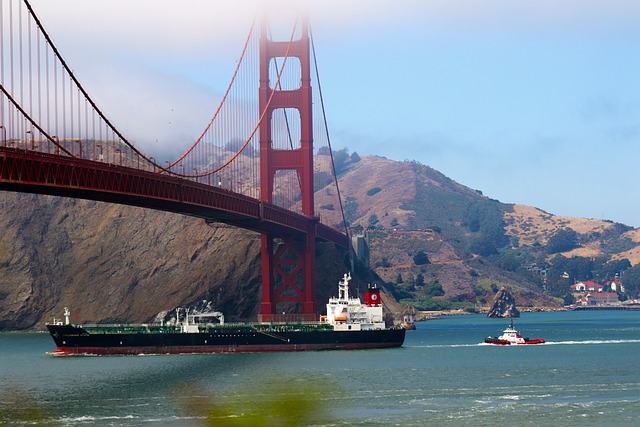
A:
{"x": 76, "y": 340}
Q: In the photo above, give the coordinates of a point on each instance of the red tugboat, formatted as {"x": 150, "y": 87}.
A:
{"x": 511, "y": 336}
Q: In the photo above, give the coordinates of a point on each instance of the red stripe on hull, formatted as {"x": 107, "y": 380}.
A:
{"x": 518, "y": 343}
{"x": 99, "y": 351}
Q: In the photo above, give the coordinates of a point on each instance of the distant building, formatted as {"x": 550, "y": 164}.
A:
{"x": 616, "y": 285}
{"x": 587, "y": 286}
{"x": 536, "y": 270}
{"x": 409, "y": 317}
{"x": 599, "y": 298}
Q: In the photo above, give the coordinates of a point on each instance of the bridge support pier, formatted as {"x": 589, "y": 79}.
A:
{"x": 290, "y": 266}
{"x": 266, "y": 307}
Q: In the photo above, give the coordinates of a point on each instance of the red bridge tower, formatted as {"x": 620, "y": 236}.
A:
{"x": 288, "y": 267}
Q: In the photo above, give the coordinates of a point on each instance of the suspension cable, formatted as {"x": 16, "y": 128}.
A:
{"x": 81, "y": 88}
{"x": 224, "y": 98}
{"x": 32, "y": 121}
{"x": 326, "y": 126}
{"x": 262, "y": 115}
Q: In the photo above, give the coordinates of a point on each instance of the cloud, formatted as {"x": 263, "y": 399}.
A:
{"x": 194, "y": 25}
{"x": 157, "y": 69}
{"x": 157, "y": 27}
{"x": 162, "y": 122}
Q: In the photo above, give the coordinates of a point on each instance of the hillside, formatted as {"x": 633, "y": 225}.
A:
{"x": 531, "y": 225}
{"x": 116, "y": 263}
{"x": 112, "y": 263}
{"x": 474, "y": 244}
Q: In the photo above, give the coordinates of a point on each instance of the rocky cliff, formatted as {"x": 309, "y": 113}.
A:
{"x": 111, "y": 263}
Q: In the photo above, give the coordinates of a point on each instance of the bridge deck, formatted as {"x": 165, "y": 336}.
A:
{"x": 33, "y": 172}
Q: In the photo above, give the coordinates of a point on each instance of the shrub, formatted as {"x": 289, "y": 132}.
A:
{"x": 373, "y": 191}
{"x": 434, "y": 289}
{"x": 564, "y": 240}
{"x": 421, "y": 258}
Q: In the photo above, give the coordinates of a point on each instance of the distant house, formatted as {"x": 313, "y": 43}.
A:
{"x": 616, "y": 285}
{"x": 587, "y": 286}
{"x": 578, "y": 287}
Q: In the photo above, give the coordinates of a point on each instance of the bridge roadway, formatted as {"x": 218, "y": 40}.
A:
{"x": 43, "y": 173}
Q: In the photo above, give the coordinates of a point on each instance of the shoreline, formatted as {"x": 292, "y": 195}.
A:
{"x": 430, "y": 315}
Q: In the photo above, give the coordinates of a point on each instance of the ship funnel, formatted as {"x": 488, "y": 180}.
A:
{"x": 372, "y": 296}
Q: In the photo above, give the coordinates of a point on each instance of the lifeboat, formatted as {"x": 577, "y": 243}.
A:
{"x": 340, "y": 318}
{"x": 511, "y": 336}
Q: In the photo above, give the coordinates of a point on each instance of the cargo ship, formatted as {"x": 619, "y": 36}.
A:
{"x": 348, "y": 325}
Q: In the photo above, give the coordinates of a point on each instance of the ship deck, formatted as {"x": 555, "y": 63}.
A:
{"x": 204, "y": 328}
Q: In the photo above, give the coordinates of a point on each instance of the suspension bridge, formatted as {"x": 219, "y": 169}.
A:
{"x": 263, "y": 162}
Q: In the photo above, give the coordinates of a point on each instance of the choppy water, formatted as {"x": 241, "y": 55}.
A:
{"x": 586, "y": 375}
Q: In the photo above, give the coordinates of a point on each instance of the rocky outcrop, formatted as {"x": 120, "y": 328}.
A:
{"x": 504, "y": 305}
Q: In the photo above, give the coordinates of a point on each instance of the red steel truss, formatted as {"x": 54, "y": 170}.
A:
{"x": 32, "y": 172}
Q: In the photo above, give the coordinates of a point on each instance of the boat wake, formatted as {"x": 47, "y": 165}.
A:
{"x": 586, "y": 342}
{"x": 440, "y": 346}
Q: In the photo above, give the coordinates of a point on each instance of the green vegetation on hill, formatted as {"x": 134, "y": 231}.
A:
{"x": 470, "y": 245}
{"x": 466, "y": 216}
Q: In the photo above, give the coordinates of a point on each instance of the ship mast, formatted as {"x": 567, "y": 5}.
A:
{"x": 343, "y": 288}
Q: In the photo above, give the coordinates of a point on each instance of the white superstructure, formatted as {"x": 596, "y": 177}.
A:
{"x": 512, "y": 335}
{"x": 191, "y": 321}
{"x": 349, "y": 314}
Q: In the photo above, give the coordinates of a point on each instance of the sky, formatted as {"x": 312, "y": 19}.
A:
{"x": 533, "y": 102}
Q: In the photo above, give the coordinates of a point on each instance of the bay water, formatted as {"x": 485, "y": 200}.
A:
{"x": 587, "y": 374}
